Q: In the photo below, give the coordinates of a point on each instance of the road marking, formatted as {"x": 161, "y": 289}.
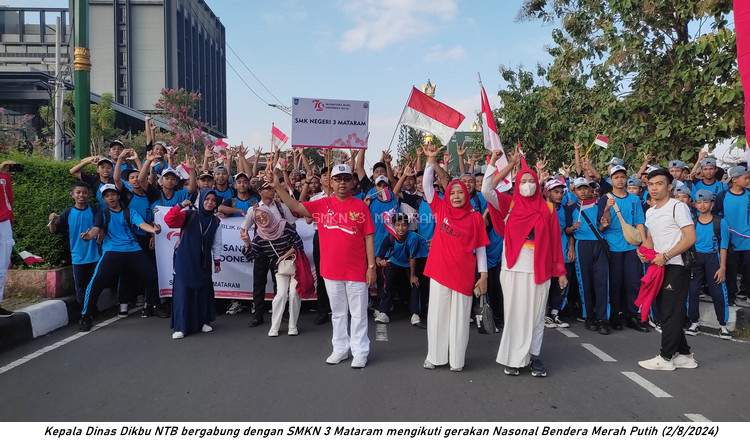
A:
{"x": 697, "y": 417}
{"x": 598, "y": 353}
{"x": 651, "y": 388}
{"x": 60, "y": 343}
{"x": 381, "y": 332}
{"x": 567, "y": 332}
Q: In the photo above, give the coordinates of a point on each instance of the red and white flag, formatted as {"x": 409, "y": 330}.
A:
{"x": 601, "y": 140}
{"x": 183, "y": 171}
{"x": 742, "y": 29}
{"x": 278, "y": 138}
{"x": 492, "y": 139}
{"x": 30, "y": 259}
{"x": 425, "y": 113}
{"x": 220, "y": 147}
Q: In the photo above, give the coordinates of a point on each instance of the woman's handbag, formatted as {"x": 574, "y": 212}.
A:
{"x": 285, "y": 264}
{"x": 488, "y": 320}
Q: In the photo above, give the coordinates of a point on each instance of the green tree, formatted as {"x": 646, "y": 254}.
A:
{"x": 656, "y": 76}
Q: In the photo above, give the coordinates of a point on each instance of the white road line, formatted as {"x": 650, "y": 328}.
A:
{"x": 598, "y": 353}
{"x": 651, "y": 388}
{"x": 58, "y": 344}
{"x": 697, "y": 417}
{"x": 567, "y": 332}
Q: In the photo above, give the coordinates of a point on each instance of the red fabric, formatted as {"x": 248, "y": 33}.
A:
{"x": 6, "y": 197}
{"x": 176, "y": 217}
{"x": 650, "y": 284}
{"x": 742, "y": 29}
{"x": 342, "y": 228}
{"x": 529, "y": 213}
{"x": 304, "y": 277}
{"x": 277, "y": 134}
{"x": 458, "y": 231}
{"x": 430, "y": 107}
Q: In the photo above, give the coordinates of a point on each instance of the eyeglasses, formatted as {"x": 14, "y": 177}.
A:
{"x": 341, "y": 178}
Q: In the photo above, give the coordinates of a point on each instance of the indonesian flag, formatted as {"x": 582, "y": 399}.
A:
{"x": 425, "y": 113}
{"x": 601, "y": 140}
{"x": 587, "y": 204}
{"x": 278, "y": 138}
{"x": 30, "y": 258}
{"x": 183, "y": 171}
{"x": 220, "y": 145}
{"x": 492, "y": 139}
{"x": 742, "y": 28}
{"x": 388, "y": 223}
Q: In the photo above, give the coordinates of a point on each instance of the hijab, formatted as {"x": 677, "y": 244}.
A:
{"x": 273, "y": 229}
{"x": 204, "y": 216}
{"x": 464, "y": 218}
{"x": 529, "y": 213}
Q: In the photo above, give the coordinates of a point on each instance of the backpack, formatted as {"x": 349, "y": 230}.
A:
{"x": 107, "y": 216}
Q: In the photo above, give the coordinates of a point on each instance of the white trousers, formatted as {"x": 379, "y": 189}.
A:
{"x": 524, "y": 304}
{"x": 447, "y": 326}
{"x": 286, "y": 290}
{"x": 6, "y": 249}
{"x": 349, "y": 298}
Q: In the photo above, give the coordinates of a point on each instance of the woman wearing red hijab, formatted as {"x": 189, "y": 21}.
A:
{"x": 457, "y": 252}
{"x": 532, "y": 255}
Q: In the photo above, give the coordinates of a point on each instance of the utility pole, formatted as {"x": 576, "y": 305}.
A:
{"x": 81, "y": 78}
{"x": 59, "y": 151}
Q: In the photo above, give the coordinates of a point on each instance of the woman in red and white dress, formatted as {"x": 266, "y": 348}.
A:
{"x": 457, "y": 253}
{"x": 532, "y": 255}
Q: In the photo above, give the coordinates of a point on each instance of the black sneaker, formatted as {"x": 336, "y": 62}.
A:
{"x": 421, "y": 325}
{"x": 637, "y": 325}
{"x": 537, "y": 368}
{"x": 322, "y": 319}
{"x": 161, "y": 312}
{"x": 5, "y": 313}
{"x": 255, "y": 322}
{"x": 512, "y": 371}
{"x": 591, "y": 325}
{"x": 147, "y": 311}
{"x": 85, "y": 323}
{"x": 604, "y": 328}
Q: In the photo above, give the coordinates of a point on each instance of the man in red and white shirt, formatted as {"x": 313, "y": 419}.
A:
{"x": 347, "y": 260}
{"x": 6, "y": 231}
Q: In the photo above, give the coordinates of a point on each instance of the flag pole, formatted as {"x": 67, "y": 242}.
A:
{"x": 399, "y": 118}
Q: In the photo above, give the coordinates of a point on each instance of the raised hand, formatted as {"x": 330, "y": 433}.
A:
{"x": 461, "y": 150}
{"x": 430, "y": 151}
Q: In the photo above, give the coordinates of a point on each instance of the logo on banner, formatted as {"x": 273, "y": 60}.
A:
{"x": 319, "y": 106}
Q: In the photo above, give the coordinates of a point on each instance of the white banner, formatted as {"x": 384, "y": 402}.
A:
{"x": 330, "y": 124}
{"x": 235, "y": 280}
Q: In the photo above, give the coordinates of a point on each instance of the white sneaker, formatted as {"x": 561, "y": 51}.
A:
{"x": 415, "y": 319}
{"x": 337, "y": 358}
{"x": 382, "y": 318}
{"x": 428, "y": 365}
{"x": 657, "y": 363}
{"x": 549, "y": 322}
{"x": 292, "y": 332}
{"x": 123, "y": 313}
{"x": 359, "y": 362}
{"x": 273, "y": 333}
{"x": 724, "y": 334}
{"x": 739, "y": 302}
{"x": 178, "y": 335}
{"x": 685, "y": 361}
{"x": 693, "y": 329}
{"x": 207, "y": 328}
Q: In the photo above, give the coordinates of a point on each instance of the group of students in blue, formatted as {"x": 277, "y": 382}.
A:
{"x": 112, "y": 242}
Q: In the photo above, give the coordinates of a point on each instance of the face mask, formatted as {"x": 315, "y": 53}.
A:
{"x": 528, "y": 189}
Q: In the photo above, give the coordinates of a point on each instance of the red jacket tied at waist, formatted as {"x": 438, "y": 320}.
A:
{"x": 6, "y": 197}
{"x": 650, "y": 284}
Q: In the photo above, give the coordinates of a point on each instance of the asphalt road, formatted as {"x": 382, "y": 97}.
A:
{"x": 131, "y": 369}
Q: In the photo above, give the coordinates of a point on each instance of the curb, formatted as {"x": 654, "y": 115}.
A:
{"x": 45, "y": 317}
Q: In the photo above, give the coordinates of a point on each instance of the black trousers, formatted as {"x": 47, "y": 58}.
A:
{"x": 495, "y": 292}
{"x": 702, "y": 273}
{"x": 592, "y": 269}
{"x": 671, "y": 302}
{"x": 82, "y": 274}
{"x": 152, "y": 295}
{"x": 397, "y": 285}
{"x": 421, "y": 293}
{"x": 738, "y": 264}
{"x": 127, "y": 266}
{"x": 324, "y": 306}
{"x": 624, "y": 282}
{"x": 261, "y": 265}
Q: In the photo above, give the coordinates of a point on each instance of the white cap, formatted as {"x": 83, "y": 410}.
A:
{"x": 651, "y": 168}
{"x": 106, "y": 187}
{"x": 167, "y": 170}
{"x": 580, "y": 181}
{"x": 341, "y": 169}
{"x": 381, "y": 179}
{"x": 616, "y": 169}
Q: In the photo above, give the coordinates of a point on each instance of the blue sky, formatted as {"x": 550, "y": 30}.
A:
{"x": 366, "y": 50}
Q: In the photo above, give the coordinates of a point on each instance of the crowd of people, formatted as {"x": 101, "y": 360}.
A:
{"x": 608, "y": 248}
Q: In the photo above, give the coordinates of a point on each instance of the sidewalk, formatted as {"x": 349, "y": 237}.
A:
{"x": 45, "y": 317}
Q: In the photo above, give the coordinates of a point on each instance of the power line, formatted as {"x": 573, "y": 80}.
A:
{"x": 246, "y": 84}
{"x": 253, "y": 74}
